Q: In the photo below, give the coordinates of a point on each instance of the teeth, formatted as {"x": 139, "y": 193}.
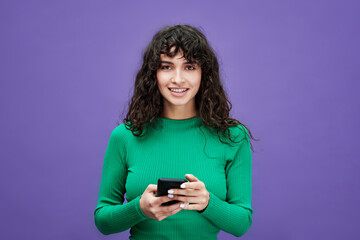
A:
{"x": 178, "y": 90}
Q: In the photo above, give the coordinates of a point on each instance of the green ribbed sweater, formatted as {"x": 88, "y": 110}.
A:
{"x": 170, "y": 150}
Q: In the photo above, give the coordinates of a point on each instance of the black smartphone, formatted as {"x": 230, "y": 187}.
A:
{"x": 165, "y": 184}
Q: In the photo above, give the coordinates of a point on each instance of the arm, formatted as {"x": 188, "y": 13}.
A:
{"x": 111, "y": 215}
{"x": 234, "y": 215}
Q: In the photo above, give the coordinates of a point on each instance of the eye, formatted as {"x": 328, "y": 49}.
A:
{"x": 191, "y": 67}
{"x": 165, "y": 67}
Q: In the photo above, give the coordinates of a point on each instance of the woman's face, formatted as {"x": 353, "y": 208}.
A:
{"x": 176, "y": 73}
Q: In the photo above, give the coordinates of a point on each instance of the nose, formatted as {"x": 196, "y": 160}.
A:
{"x": 178, "y": 76}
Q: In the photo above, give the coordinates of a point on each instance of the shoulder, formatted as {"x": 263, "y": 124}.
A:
{"x": 120, "y": 133}
{"x": 239, "y": 140}
{"x": 238, "y": 133}
{"x": 239, "y": 130}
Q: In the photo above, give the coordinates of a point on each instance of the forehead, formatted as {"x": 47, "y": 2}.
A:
{"x": 179, "y": 55}
{"x": 177, "y": 58}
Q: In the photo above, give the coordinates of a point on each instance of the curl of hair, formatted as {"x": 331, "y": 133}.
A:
{"x": 146, "y": 104}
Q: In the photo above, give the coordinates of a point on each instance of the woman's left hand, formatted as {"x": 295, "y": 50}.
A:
{"x": 195, "y": 192}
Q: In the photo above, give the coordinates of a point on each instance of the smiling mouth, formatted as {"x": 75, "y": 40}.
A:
{"x": 178, "y": 90}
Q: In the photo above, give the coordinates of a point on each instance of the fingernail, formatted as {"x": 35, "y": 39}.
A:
{"x": 182, "y": 185}
{"x": 171, "y": 191}
{"x": 170, "y": 195}
{"x": 182, "y": 205}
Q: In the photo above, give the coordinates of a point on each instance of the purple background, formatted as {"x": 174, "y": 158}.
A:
{"x": 291, "y": 70}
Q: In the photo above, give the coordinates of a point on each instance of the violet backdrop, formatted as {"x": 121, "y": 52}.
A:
{"x": 291, "y": 70}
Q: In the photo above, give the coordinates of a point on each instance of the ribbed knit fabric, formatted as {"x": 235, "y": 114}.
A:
{"x": 170, "y": 150}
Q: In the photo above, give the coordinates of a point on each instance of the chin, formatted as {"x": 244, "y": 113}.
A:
{"x": 177, "y": 102}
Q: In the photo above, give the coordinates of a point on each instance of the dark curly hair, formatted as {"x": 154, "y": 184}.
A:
{"x": 211, "y": 100}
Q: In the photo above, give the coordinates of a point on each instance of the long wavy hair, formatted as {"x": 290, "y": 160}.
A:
{"x": 211, "y": 100}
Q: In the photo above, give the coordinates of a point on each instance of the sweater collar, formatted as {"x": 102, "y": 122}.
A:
{"x": 178, "y": 124}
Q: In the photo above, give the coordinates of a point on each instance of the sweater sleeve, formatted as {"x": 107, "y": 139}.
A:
{"x": 111, "y": 215}
{"x": 234, "y": 215}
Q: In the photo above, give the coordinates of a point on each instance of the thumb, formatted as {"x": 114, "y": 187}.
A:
{"x": 191, "y": 178}
{"x": 151, "y": 188}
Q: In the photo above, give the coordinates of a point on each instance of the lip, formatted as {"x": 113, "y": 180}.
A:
{"x": 178, "y": 94}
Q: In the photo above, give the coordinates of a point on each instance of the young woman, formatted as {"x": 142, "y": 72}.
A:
{"x": 177, "y": 126}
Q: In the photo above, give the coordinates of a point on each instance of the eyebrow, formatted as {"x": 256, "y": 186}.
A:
{"x": 187, "y": 62}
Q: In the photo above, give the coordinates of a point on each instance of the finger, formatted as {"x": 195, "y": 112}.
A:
{"x": 193, "y": 185}
{"x": 166, "y": 210}
{"x": 172, "y": 207}
{"x": 163, "y": 216}
{"x": 190, "y": 206}
{"x": 189, "y": 199}
{"x": 191, "y": 177}
{"x": 151, "y": 188}
{"x": 178, "y": 209}
{"x": 178, "y": 191}
{"x": 162, "y": 199}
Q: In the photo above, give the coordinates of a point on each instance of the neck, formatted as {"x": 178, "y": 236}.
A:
{"x": 182, "y": 125}
{"x": 179, "y": 114}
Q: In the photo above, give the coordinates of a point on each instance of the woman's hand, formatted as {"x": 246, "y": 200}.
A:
{"x": 151, "y": 205}
{"x": 195, "y": 192}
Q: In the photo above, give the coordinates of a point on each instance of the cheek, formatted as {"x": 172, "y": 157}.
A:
{"x": 197, "y": 87}
{"x": 196, "y": 82}
{"x": 159, "y": 80}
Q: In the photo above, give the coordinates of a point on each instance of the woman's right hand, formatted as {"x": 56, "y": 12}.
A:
{"x": 151, "y": 205}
